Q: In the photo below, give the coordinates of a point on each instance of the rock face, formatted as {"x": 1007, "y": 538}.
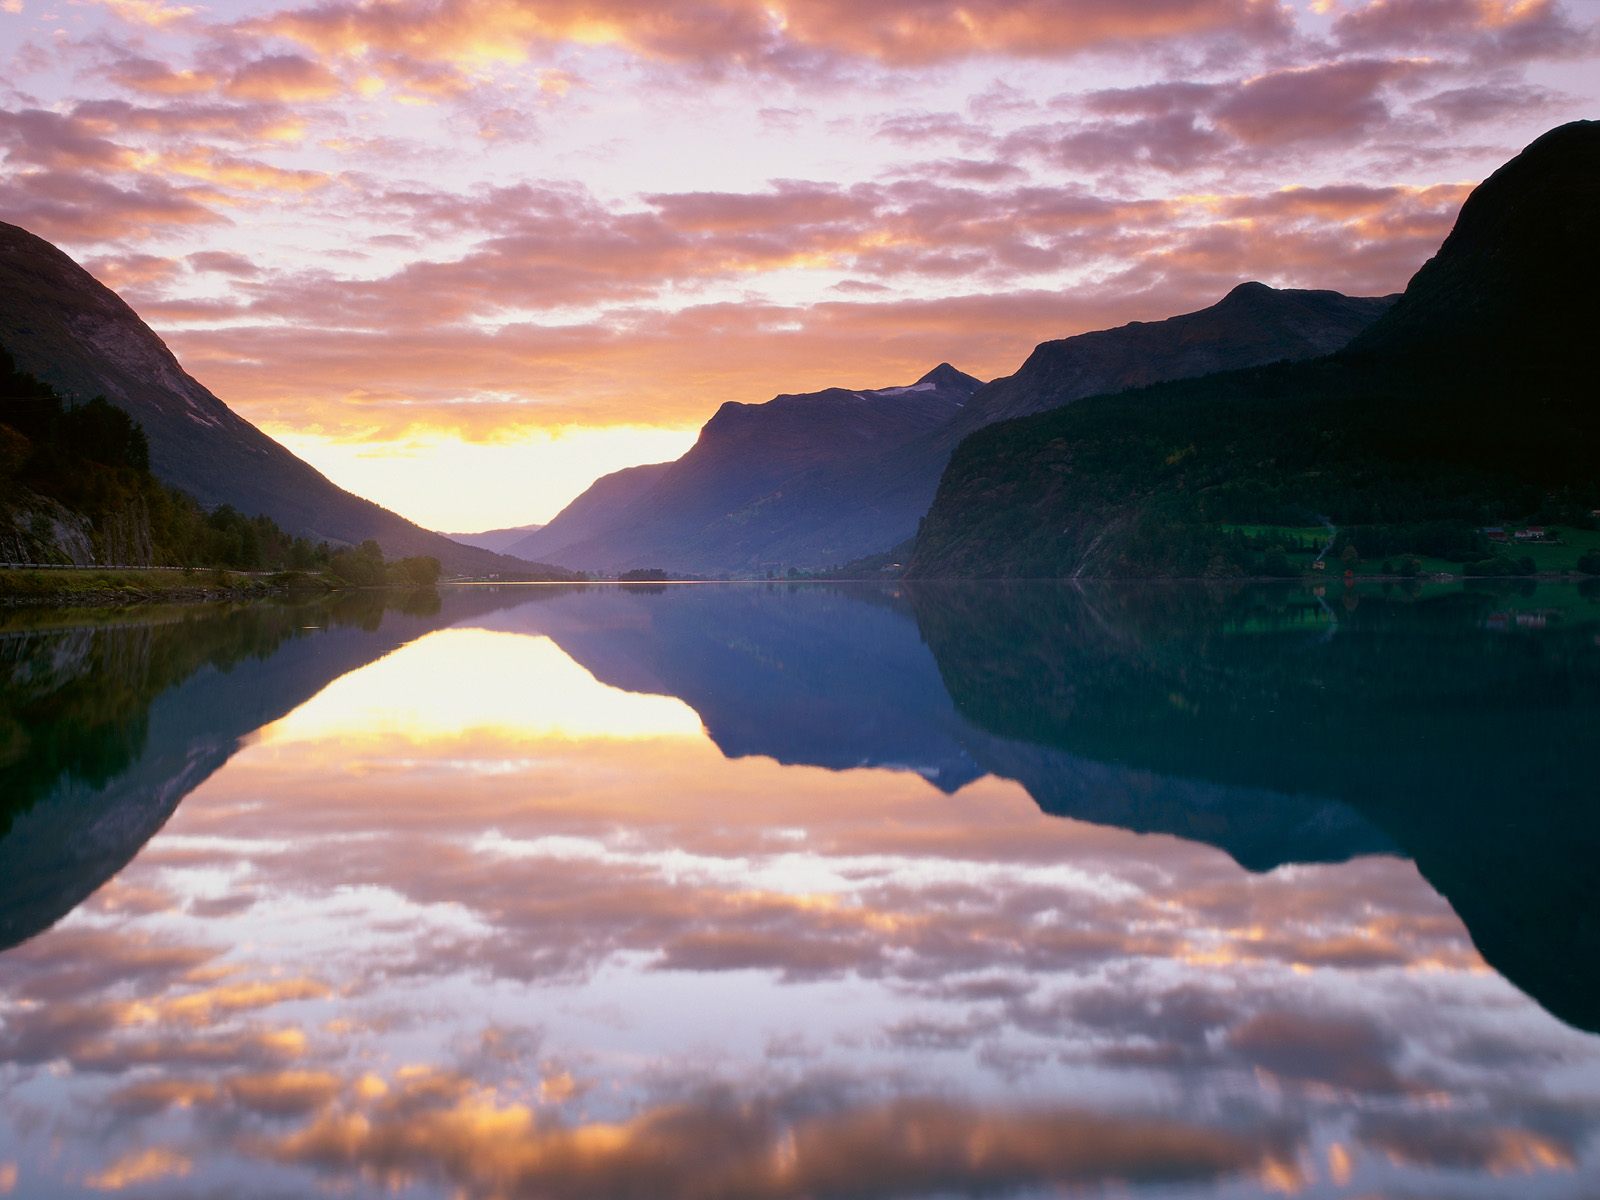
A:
{"x": 63, "y": 326}
{"x": 741, "y": 499}
{"x": 1473, "y": 394}
{"x": 818, "y": 498}
{"x": 37, "y": 529}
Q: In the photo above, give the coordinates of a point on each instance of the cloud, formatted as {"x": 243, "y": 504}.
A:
{"x": 151, "y": 14}
{"x": 255, "y": 123}
{"x": 1485, "y": 31}
{"x": 138, "y": 1167}
{"x": 410, "y": 350}
{"x": 223, "y": 263}
{"x": 121, "y": 272}
{"x": 1464, "y": 1143}
{"x": 149, "y": 76}
{"x": 1478, "y": 103}
{"x": 285, "y": 1093}
{"x": 58, "y": 142}
{"x": 74, "y": 207}
{"x": 469, "y": 35}
{"x": 285, "y": 78}
{"x": 433, "y": 1126}
{"x": 1348, "y": 1052}
{"x": 1339, "y": 100}
{"x": 1169, "y": 142}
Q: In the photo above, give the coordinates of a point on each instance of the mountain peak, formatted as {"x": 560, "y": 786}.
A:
{"x": 944, "y": 375}
{"x": 1250, "y": 290}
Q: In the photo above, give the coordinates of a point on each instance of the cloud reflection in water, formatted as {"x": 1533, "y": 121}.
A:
{"x": 470, "y": 921}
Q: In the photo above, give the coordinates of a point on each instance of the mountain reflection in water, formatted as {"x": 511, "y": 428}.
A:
{"x": 737, "y": 891}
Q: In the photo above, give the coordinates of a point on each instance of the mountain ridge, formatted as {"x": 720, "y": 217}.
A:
{"x": 71, "y": 331}
{"x": 836, "y": 509}
{"x": 702, "y": 511}
{"x": 1440, "y": 415}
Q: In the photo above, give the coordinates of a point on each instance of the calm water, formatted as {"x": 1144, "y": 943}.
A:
{"x": 749, "y": 891}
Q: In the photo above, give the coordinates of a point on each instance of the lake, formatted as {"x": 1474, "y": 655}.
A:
{"x": 782, "y": 891}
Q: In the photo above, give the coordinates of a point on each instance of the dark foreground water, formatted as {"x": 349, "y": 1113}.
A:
{"x": 767, "y": 892}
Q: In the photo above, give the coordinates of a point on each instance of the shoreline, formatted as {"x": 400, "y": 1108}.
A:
{"x": 117, "y": 587}
{"x": 127, "y": 587}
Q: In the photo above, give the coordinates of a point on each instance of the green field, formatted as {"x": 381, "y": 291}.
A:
{"x": 1560, "y": 554}
{"x": 1289, "y": 533}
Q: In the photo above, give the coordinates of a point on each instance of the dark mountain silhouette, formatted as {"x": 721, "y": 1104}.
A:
{"x": 77, "y": 335}
{"x": 1471, "y": 400}
{"x": 1252, "y": 325}
{"x": 1513, "y": 284}
{"x": 725, "y": 506}
{"x": 846, "y": 499}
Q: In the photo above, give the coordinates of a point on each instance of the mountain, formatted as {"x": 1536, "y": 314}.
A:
{"x": 1469, "y": 402}
{"x": 595, "y": 511}
{"x": 494, "y": 540}
{"x": 1252, "y": 325}
{"x": 880, "y": 505}
{"x": 1517, "y": 273}
{"x": 65, "y": 327}
{"x": 841, "y": 507}
{"x": 725, "y": 505}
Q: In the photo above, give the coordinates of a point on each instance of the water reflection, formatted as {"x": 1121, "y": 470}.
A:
{"x": 718, "y": 892}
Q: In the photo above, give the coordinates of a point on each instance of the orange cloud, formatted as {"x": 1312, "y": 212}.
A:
{"x": 153, "y": 14}
{"x": 470, "y": 35}
{"x": 140, "y": 1166}
{"x": 1489, "y": 30}
{"x": 636, "y": 364}
{"x": 433, "y": 1125}
{"x": 150, "y": 77}
{"x": 287, "y": 78}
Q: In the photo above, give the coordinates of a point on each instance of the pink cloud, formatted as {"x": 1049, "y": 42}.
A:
{"x": 1484, "y": 30}
{"x": 1330, "y": 101}
{"x": 288, "y": 78}
{"x": 459, "y": 34}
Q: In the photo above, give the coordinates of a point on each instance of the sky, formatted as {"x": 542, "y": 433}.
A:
{"x": 467, "y": 255}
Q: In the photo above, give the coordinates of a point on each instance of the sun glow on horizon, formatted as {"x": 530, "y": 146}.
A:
{"x": 440, "y": 228}
{"x": 444, "y": 482}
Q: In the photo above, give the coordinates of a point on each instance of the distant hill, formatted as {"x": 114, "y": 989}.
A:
{"x": 495, "y": 540}
{"x": 602, "y": 506}
{"x": 843, "y": 499}
{"x": 1471, "y": 399}
{"x": 63, "y": 326}
{"x": 726, "y": 505}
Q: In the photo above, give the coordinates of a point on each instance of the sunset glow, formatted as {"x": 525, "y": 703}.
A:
{"x": 467, "y": 256}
